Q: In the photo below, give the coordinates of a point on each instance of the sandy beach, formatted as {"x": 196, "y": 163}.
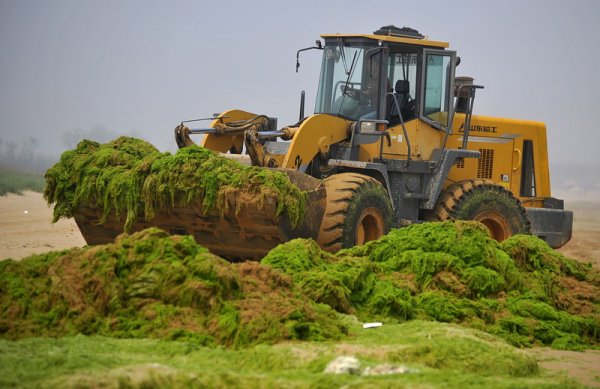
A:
{"x": 26, "y": 227}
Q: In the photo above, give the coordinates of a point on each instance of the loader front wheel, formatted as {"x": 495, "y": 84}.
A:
{"x": 358, "y": 210}
{"x": 485, "y": 202}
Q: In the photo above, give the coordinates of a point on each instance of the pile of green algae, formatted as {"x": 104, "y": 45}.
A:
{"x": 129, "y": 175}
{"x": 150, "y": 284}
{"x": 520, "y": 289}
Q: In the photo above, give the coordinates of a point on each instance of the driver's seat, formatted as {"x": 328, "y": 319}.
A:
{"x": 402, "y": 95}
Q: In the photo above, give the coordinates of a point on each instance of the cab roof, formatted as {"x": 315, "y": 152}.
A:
{"x": 392, "y": 39}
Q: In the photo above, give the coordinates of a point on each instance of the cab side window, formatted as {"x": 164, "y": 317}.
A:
{"x": 403, "y": 67}
{"x": 437, "y": 87}
{"x": 402, "y": 81}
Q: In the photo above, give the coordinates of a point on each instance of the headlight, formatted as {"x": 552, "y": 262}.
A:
{"x": 367, "y": 127}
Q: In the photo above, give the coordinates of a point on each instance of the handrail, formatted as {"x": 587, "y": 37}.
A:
{"x": 403, "y": 127}
{"x": 468, "y": 114}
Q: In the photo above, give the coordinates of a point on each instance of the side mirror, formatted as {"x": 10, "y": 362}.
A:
{"x": 318, "y": 46}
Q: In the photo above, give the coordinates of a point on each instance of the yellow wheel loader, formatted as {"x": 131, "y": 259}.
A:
{"x": 392, "y": 141}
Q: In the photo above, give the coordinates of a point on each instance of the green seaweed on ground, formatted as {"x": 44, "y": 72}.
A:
{"x": 520, "y": 289}
{"x": 468, "y": 241}
{"x": 435, "y": 355}
{"x": 534, "y": 254}
{"x": 341, "y": 282}
{"x": 131, "y": 176}
{"x": 303, "y": 260}
{"x": 150, "y": 284}
{"x": 388, "y": 301}
{"x": 424, "y": 265}
{"x": 440, "y": 306}
{"x": 483, "y": 281}
{"x": 296, "y": 256}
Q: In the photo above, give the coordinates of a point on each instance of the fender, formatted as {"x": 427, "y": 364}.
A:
{"x": 316, "y": 134}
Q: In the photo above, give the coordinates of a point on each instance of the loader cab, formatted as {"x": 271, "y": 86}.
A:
{"x": 361, "y": 75}
{"x": 349, "y": 85}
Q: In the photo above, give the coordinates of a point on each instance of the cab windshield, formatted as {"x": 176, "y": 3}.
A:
{"x": 348, "y": 86}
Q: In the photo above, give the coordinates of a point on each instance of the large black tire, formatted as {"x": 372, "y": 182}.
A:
{"x": 491, "y": 204}
{"x": 358, "y": 210}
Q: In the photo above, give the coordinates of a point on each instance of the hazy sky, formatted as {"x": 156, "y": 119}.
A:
{"x": 140, "y": 67}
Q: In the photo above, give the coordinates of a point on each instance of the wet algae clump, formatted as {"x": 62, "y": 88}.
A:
{"x": 131, "y": 176}
{"x": 519, "y": 289}
{"x": 150, "y": 284}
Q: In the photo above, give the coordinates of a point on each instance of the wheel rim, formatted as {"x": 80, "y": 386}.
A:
{"x": 370, "y": 226}
{"x": 496, "y": 224}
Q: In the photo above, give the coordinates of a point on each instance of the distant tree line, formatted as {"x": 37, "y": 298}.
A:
{"x": 26, "y": 155}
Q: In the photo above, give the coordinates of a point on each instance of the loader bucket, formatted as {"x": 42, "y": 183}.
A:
{"x": 248, "y": 233}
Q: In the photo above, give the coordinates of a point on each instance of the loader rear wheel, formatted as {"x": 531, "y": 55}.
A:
{"x": 485, "y": 202}
{"x": 358, "y": 210}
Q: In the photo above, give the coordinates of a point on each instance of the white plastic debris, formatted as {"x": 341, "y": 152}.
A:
{"x": 25, "y": 211}
{"x": 343, "y": 365}
{"x": 372, "y": 325}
